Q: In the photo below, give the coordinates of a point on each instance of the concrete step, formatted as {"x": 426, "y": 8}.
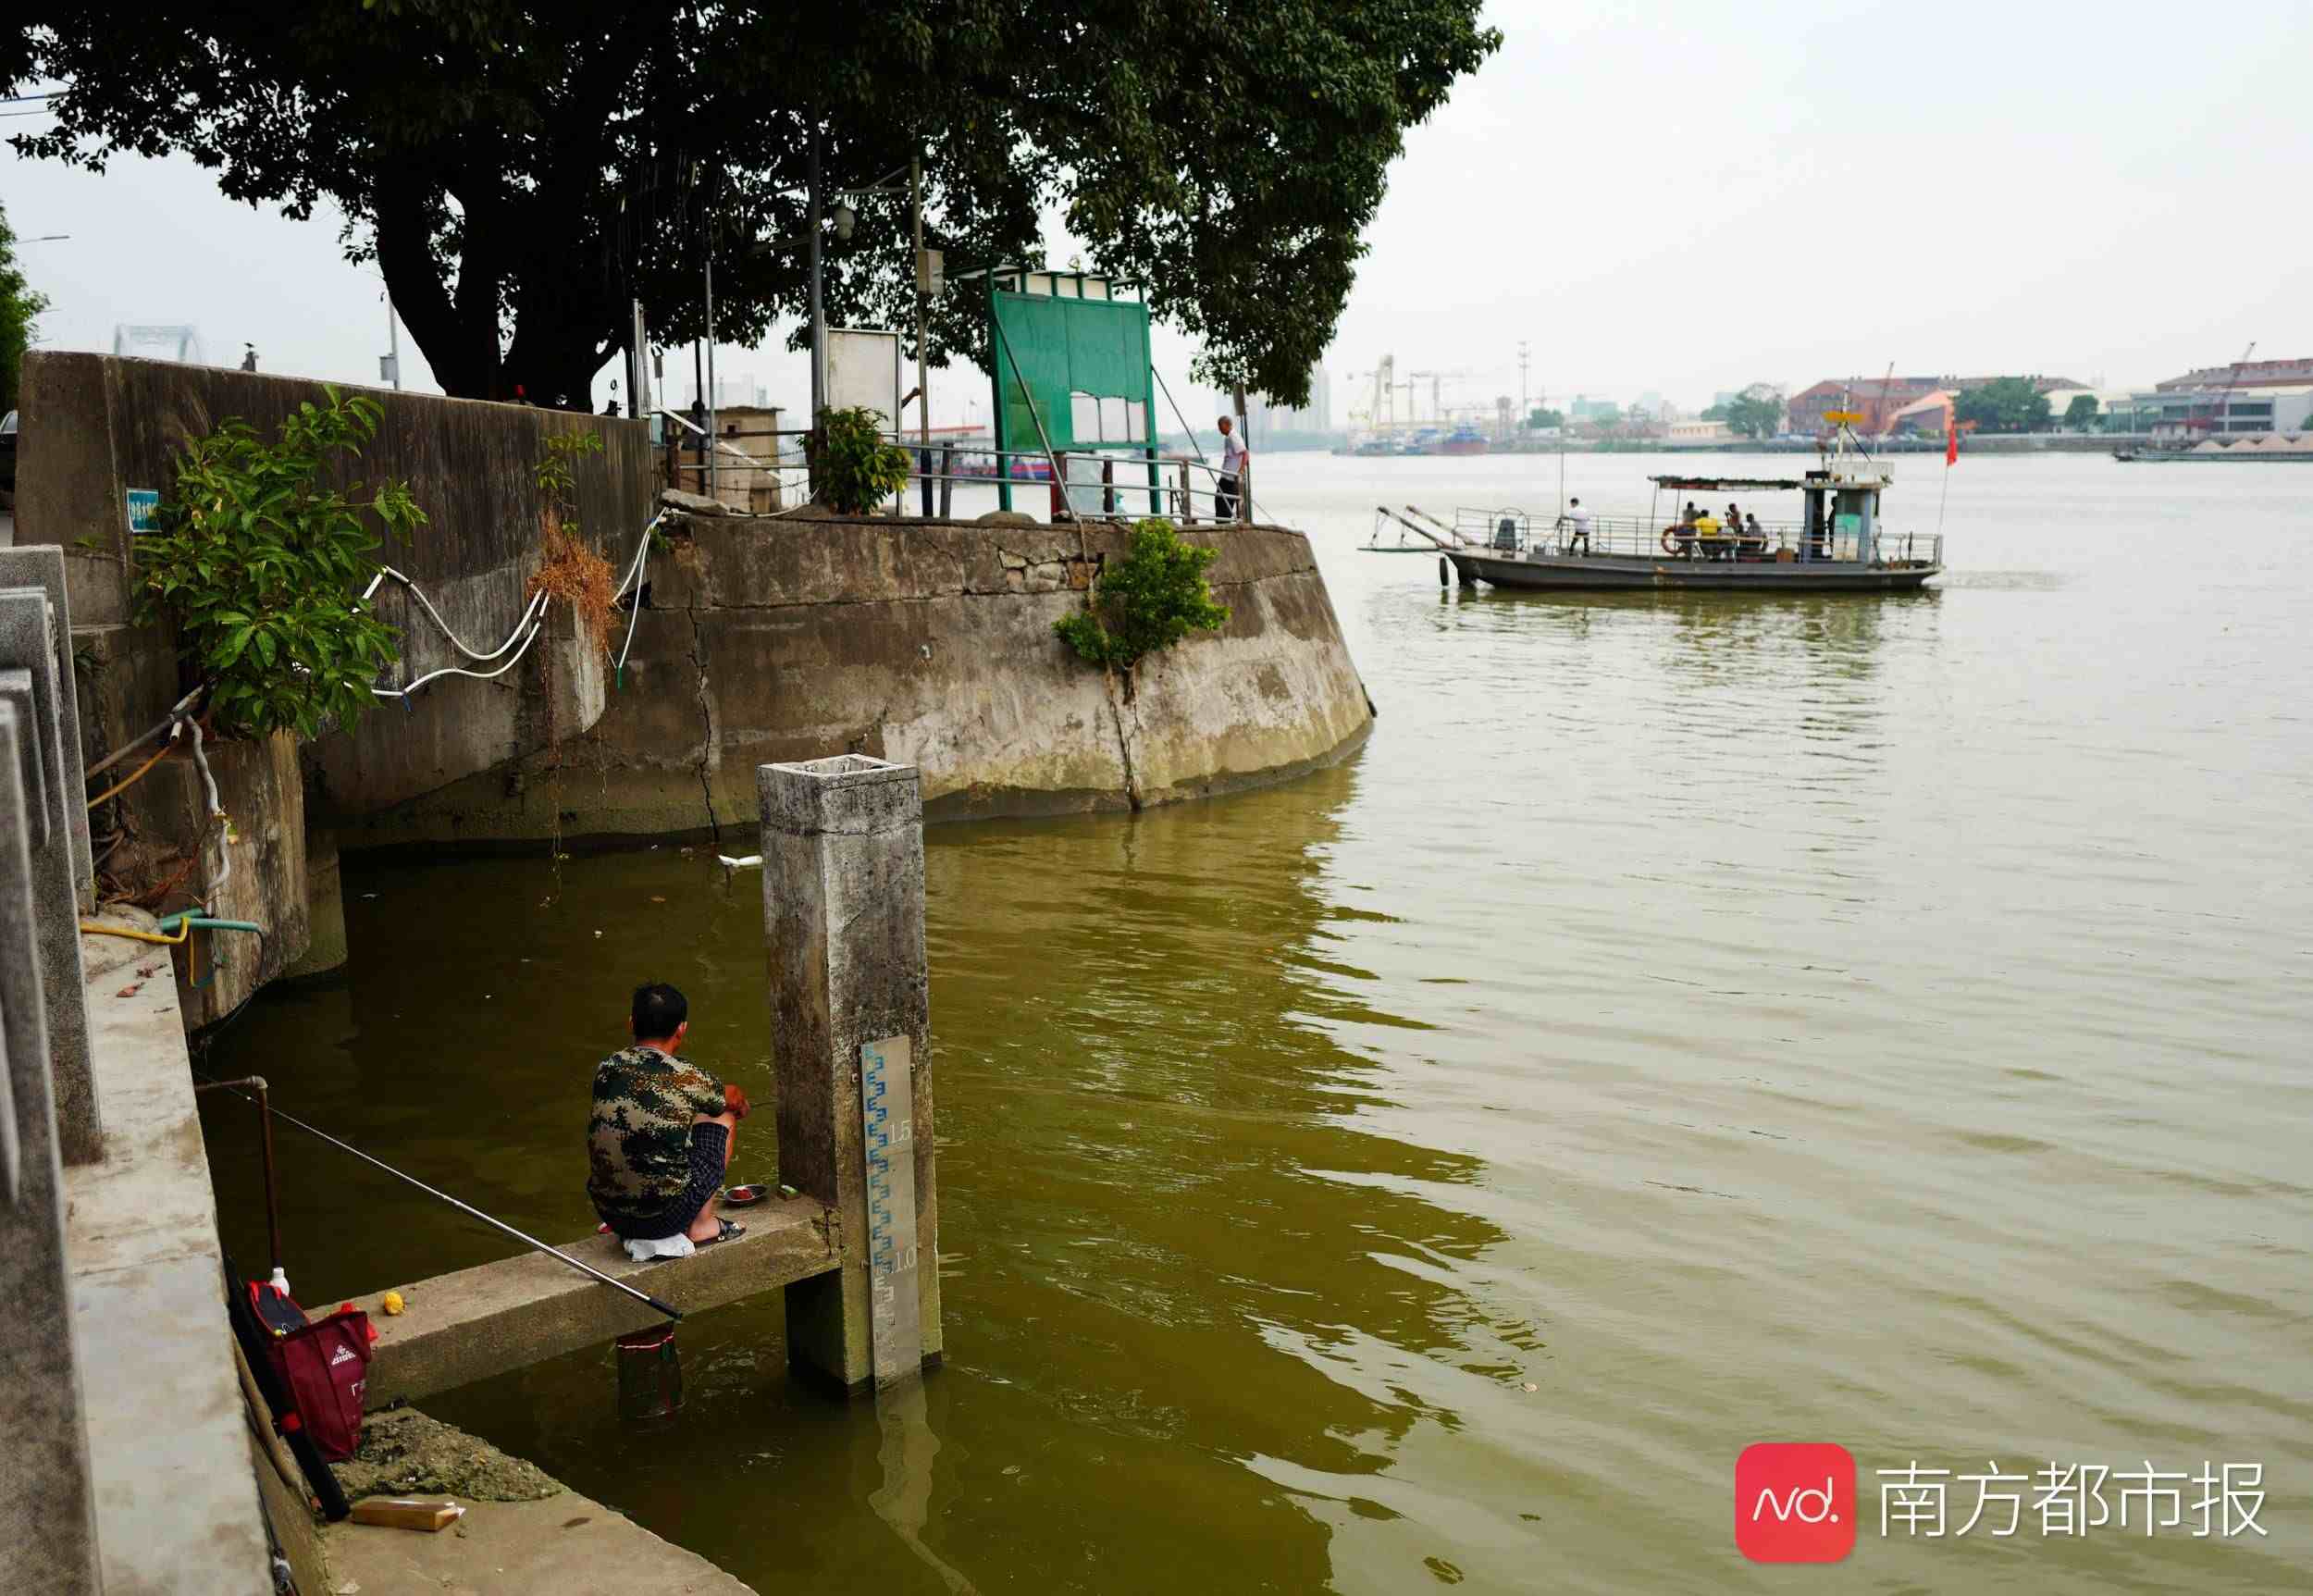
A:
{"x": 493, "y": 1318}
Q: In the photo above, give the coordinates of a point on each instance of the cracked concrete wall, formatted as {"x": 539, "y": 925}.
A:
{"x": 97, "y": 426}
{"x": 927, "y": 643}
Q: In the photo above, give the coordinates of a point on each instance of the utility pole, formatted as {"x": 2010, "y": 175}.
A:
{"x": 637, "y": 368}
{"x": 712, "y": 462}
{"x": 394, "y": 345}
{"x": 819, "y": 324}
{"x": 923, "y": 301}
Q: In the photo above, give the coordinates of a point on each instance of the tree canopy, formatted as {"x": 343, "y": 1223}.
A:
{"x": 19, "y": 310}
{"x": 1541, "y": 416}
{"x": 2083, "y": 413}
{"x": 2003, "y": 404}
{"x": 519, "y": 171}
{"x": 1757, "y": 411}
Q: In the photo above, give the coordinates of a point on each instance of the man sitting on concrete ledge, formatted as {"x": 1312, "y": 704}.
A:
{"x": 661, "y": 1136}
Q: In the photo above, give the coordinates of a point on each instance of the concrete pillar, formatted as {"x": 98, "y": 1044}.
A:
{"x": 47, "y": 1505}
{"x": 42, "y": 566}
{"x": 843, "y": 915}
{"x": 27, "y": 642}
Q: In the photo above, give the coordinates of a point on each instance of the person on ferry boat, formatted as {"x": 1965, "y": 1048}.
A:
{"x": 1577, "y": 523}
{"x": 1707, "y": 531}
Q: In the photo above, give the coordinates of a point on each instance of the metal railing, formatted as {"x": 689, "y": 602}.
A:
{"x": 1635, "y": 537}
{"x": 766, "y": 470}
{"x": 1092, "y": 485}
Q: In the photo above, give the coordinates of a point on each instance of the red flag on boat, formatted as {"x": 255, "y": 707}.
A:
{"x": 1952, "y": 437}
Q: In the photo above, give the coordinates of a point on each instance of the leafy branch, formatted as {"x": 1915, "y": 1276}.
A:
{"x": 257, "y": 561}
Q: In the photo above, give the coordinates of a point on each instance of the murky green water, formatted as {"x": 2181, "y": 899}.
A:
{"x": 1881, "y": 1021}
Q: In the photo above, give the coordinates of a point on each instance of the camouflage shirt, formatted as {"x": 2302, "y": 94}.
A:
{"x": 638, "y": 1140}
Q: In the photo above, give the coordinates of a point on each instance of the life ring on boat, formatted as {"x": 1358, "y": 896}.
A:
{"x": 1672, "y": 542}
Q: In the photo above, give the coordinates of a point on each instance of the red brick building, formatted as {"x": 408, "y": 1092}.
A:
{"x": 1876, "y": 399}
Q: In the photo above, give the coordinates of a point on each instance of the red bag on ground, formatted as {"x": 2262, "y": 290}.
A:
{"x": 325, "y": 1365}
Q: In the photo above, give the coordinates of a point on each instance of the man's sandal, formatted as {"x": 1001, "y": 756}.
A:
{"x": 727, "y": 1230}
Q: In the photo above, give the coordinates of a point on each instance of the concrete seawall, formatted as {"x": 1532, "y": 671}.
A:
{"x": 927, "y": 643}
{"x": 97, "y": 428}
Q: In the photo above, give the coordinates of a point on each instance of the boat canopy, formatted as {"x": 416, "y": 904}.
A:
{"x": 1736, "y": 484}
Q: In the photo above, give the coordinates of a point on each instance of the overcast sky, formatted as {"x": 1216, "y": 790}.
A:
{"x": 1677, "y": 199}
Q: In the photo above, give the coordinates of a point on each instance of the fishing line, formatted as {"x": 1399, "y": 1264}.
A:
{"x": 529, "y": 1240}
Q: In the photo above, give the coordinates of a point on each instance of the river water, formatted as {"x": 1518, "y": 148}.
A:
{"x": 1687, "y": 1022}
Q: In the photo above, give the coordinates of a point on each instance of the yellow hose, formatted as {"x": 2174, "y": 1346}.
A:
{"x": 131, "y": 780}
{"x": 95, "y": 929}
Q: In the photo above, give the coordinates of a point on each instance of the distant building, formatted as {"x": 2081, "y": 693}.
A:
{"x": 1880, "y": 400}
{"x": 2251, "y": 373}
{"x": 1592, "y": 409}
{"x": 2258, "y": 396}
{"x": 1699, "y": 432}
{"x": 1930, "y": 412}
{"x": 2187, "y": 415}
{"x": 1877, "y": 400}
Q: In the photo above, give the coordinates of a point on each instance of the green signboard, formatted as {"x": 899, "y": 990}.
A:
{"x": 1072, "y": 371}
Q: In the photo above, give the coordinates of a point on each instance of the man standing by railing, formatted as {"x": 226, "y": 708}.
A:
{"x": 1575, "y": 524}
{"x": 1228, "y": 490}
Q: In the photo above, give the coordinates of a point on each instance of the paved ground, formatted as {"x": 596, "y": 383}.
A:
{"x": 566, "y": 1545}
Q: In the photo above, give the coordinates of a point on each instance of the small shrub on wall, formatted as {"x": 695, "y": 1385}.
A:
{"x": 1150, "y": 599}
{"x": 259, "y": 566}
{"x": 857, "y": 469}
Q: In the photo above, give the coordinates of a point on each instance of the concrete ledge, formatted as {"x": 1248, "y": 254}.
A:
{"x": 563, "y": 1545}
{"x": 493, "y": 1318}
{"x": 175, "y": 1501}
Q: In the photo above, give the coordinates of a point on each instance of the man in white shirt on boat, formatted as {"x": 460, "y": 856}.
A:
{"x": 1228, "y": 489}
{"x": 1577, "y": 523}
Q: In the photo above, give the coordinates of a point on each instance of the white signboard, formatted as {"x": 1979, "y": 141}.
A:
{"x": 863, "y": 372}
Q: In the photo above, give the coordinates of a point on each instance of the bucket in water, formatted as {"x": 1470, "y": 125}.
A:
{"x": 649, "y": 1374}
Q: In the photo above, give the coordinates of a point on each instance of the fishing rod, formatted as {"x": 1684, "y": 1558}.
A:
{"x": 584, "y": 1268}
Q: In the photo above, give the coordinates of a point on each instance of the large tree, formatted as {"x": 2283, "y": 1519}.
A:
{"x": 2003, "y": 404}
{"x": 1757, "y": 411}
{"x": 19, "y": 311}
{"x": 519, "y": 170}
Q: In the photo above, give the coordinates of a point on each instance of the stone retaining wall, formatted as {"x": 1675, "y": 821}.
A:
{"x": 928, "y": 643}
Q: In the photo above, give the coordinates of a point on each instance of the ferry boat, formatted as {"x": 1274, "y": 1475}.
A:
{"x": 1837, "y": 544}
